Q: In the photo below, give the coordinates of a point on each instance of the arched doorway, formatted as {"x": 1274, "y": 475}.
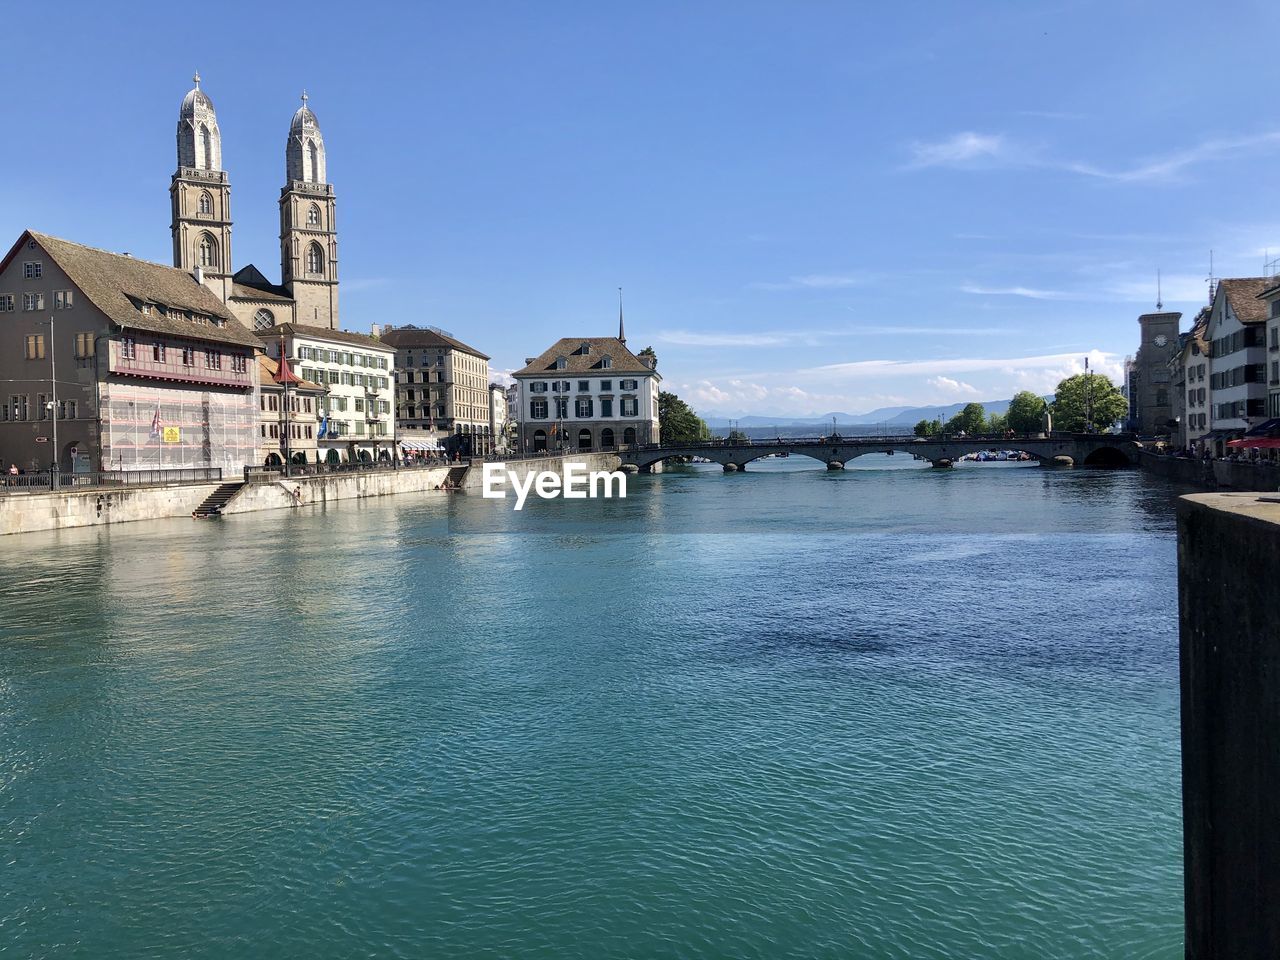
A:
{"x": 584, "y": 439}
{"x": 364, "y": 457}
{"x": 629, "y": 436}
{"x": 606, "y": 438}
{"x": 333, "y": 457}
{"x": 273, "y": 460}
{"x": 539, "y": 441}
{"x": 300, "y": 458}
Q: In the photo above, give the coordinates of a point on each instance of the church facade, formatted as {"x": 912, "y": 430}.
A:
{"x": 200, "y": 198}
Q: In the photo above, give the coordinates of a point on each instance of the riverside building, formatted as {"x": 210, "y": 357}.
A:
{"x": 442, "y": 391}
{"x": 355, "y": 421}
{"x": 1237, "y": 359}
{"x": 288, "y": 409}
{"x": 141, "y": 365}
{"x": 588, "y": 393}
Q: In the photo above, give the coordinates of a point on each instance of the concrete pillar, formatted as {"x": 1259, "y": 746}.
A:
{"x": 730, "y": 468}
{"x": 834, "y": 465}
{"x": 1228, "y": 565}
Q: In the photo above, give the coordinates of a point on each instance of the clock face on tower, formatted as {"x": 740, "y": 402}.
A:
{"x": 1161, "y": 340}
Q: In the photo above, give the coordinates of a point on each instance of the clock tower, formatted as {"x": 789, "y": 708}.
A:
{"x": 1150, "y": 387}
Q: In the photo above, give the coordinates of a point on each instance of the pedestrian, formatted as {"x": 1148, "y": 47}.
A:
{"x": 13, "y": 469}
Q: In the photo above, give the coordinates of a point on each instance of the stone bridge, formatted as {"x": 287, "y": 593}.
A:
{"x": 1057, "y": 449}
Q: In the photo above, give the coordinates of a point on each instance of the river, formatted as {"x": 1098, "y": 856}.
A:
{"x": 882, "y": 713}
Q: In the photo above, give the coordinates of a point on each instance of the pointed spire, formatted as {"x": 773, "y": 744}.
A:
{"x": 196, "y": 79}
{"x": 305, "y": 98}
{"x": 1159, "y": 295}
{"x": 622, "y": 330}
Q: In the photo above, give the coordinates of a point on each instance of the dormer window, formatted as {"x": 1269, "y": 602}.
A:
{"x": 561, "y": 363}
{"x": 146, "y": 309}
{"x": 585, "y": 349}
{"x": 606, "y": 363}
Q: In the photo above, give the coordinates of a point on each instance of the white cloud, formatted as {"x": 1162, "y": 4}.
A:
{"x": 864, "y": 369}
{"x": 1030, "y": 293}
{"x": 1168, "y": 167}
{"x": 813, "y": 281}
{"x": 686, "y": 338}
{"x": 953, "y": 388}
{"x": 961, "y": 149}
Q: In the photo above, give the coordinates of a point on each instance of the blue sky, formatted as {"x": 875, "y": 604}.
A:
{"x": 811, "y": 206}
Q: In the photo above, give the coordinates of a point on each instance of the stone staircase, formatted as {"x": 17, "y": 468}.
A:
{"x": 456, "y": 475}
{"x": 213, "y": 504}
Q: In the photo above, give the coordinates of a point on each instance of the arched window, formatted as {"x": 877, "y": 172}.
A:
{"x": 314, "y": 156}
{"x": 629, "y": 436}
{"x": 313, "y": 216}
{"x": 584, "y": 439}
{"x": 539, "y": 441}
{"x": 264, "y": 319}
{"x": 206, "y": 147}
{"x": 208, "y": 251}
{"x": 206, "y": 202}
{"x": 315, "y": 259}
{"x": 606, "y": 438}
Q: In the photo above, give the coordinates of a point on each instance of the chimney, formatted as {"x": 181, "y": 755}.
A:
{"x": 529, "y": 360}
{"x": 199, "y": 274}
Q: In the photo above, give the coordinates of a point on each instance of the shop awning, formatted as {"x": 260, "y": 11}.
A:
{"x": 1255, "y": 443}
{"x": 1221, "y": 434}
{"x": 420, "y": 446}
{"x": 1268, "y": 428}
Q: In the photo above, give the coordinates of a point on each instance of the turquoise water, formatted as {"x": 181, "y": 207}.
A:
{"x": 885, "y": 713}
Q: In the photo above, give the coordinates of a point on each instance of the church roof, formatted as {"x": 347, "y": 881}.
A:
{"x": 576, "y": 361}
{"x": 323, "y": 333}
{"x": 404, "y": 338}
{"x": 119, "y": 285}
{"x": 248, "y": 283}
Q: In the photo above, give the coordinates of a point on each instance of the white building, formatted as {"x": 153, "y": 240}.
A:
{"x": 588, "y": 393}
{"x": 1271, "y": 297}
{"x": 1237, "y": 359}
{"x": 356, "y": 421}
{"x": 1191, "y": 378}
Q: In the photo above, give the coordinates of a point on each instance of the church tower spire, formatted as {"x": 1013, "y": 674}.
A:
{"x": 200, "y": 195}
{"x": 308, "y": 231}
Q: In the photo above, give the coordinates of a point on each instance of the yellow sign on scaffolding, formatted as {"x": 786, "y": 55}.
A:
{"x": 172, "y": 435}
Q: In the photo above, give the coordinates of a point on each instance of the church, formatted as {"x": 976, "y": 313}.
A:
{"x": 201, "y": 200}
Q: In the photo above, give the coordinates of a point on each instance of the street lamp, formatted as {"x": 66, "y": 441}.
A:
{"x": 52, "y": 405}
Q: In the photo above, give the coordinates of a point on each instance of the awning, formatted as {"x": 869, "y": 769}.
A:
{"x": 1255, "y": 443}
{"x": 1222, "y": 434}
{"x": 1268, "y": 428}
{"x": 420, "y": 446}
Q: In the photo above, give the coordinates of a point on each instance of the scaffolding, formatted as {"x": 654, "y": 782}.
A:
{"x": 156, "y": 428}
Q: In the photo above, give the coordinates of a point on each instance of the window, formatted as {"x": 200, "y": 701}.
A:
{"x": 606, "y": 406}
{"x": 359, "y": 405}
{"x": 584, "y": 386}
{"x": 6, "y": 303}
{"x": 606, "y": 386}
{"x": 188, "y": 356}
{"x": 206, "y": 202}
{"x": 628, "y": 384}
{"x": 264, "y": 319}
{"x": 212, "y": 360}
{"x": 62, "y": 299}
{"x": 313, "y": 216}
{"x": 538, "y": 387}
{"x": 157, "y": 352}
{"x": 35, "y": 347}
{"x": 583, "y": 408}
{"x": 42, "y": 406}
{"x": 67, "y": 410}
{"x": 17, "y": 406}
{"x": 315, "y": 259}
{"x": 33, "y": 301}
{"x": 207, "y": 251}
{"x": 128, "y": 349}
{"x": 537, "y": 409}
{"x": 240, "y": 364}
{"x": 606, "y": 363}
{"x": 32, "y": 270}
{"x": 562, "y": 408}
{"x": 629, "y": 407}
{"x": 561, "y": 363}
{"x": 84, "y": 344}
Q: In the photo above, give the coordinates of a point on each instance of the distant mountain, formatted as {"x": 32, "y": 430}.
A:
{"x": 891, "y": 416}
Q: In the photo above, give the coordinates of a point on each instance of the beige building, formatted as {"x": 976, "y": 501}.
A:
{"x": 288, "y": 408}
{"x": 200, "y": 198}
{"x": 442, "y": 390}
{"x": 128, "y": 365}
{"x": 356, "y": 421}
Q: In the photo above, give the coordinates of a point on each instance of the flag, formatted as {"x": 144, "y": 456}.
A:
{"x": 155, "y": 424}
{"x": 324, "y": 426}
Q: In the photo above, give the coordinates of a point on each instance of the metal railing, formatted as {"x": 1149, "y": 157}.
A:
{"x": 55, "y": 480}
{"x": 270, "y": 474}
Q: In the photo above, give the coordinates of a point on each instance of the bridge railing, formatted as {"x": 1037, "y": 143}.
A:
{"x": 995, "y": 440}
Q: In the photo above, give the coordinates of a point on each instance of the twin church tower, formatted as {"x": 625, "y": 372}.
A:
{"x": 201, "y": 197}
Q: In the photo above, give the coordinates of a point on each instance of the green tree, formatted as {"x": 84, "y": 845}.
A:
{"x": 997, "y": 423}
{"x": 972, "y": 419}
{"x": 1026, "y": 412}
{"x": 1087, "y": 401}
{"x": 923, "y": 428}
{"x": 648, "y": 352}
{"x": 677, "y": 421}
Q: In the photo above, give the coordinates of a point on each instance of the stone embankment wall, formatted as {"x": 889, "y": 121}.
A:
{"x": 1228, "y": 566}
{"x": 29, "y": 512}
{"x": 1213, "y": 474}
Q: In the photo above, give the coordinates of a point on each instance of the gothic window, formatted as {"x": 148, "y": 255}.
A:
{"x": 206, "y": 202}
{"x": 264, "y": 319}
{"x": 208, "y": 251}
{"x": 206, "y": 147}
{"x": 314, "y": 156}
{"x": 315, "y": 259}
{"x": 313, "y": 216}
